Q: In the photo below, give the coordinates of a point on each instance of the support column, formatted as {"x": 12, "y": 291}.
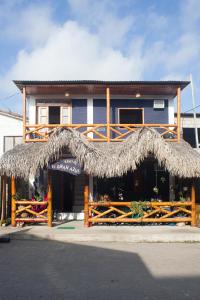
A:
{"x": 90, "y": 188}
{"x": 24, "y": 113}
{"x": 49, "y": 195}
{"x": 108, "y": 113}
{"x": 193, "y": 223}
{"x": 13, "y": 204}
{"x": 3, "y": 200}
{"x": 179, "y": 114}
{"x": 86, "y": 206}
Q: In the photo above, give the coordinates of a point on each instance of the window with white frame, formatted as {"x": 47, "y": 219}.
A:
{"x": 131, "y": 115}
{"x": 54, "y": 114}
{"x": 11, "y": 141}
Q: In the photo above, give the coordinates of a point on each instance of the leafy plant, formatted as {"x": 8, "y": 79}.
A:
{"x": 138, "y": 208}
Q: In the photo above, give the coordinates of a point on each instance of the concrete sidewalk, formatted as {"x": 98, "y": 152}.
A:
{"x": 75, "y": 232}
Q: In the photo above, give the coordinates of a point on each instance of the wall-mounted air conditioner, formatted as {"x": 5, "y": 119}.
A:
{"x": 159, "y": 104}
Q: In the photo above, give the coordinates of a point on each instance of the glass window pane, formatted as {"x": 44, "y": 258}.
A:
{"x": 18, "y": 140}
{"x": 8, "y": 143}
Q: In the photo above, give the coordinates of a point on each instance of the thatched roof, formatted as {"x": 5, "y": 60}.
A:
{"x": 103, "y": 159}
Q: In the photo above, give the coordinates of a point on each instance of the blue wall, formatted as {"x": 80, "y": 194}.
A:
{"x": 79, "y": 111}
{"x": 150, "y": 115}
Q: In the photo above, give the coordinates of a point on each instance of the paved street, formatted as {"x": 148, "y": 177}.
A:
{"x": 55, "y": 270}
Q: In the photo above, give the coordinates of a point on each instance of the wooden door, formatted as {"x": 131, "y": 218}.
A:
{"x": 43, "y": 115}
{"x": 65, "y": 117}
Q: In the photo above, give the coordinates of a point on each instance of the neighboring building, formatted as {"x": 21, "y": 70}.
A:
{"x": 11, "y": 130}
{"x": 188, "y": 127}
{"x": 121, "y": 140}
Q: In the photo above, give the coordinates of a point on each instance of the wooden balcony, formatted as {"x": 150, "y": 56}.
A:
{"x": 99, "y": 132}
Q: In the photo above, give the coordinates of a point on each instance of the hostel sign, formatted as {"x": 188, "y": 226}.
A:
{"x": 68, "y": 165}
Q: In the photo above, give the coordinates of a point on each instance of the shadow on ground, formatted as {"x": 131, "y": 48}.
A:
{"x": 55, "y": 270}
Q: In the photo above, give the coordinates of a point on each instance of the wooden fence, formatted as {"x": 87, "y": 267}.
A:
{"x": 153, "y": 212}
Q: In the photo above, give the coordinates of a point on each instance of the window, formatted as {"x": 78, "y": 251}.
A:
{"x": 131, "y": 116}
{"x": 54, "y": 114}
{"x": 189, "y": 136}
{"x": 11, "y": 141}
{"x": 43, "y": 113}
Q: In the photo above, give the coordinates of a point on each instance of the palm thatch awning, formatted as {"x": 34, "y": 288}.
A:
{"x": 102, "y": 159}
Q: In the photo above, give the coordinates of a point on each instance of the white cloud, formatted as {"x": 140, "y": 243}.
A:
{"x": 71, "y": 52}
{"x": 103, "y": 17}
{"x": 31, "y": 25}
{"x": 98, "y": 44}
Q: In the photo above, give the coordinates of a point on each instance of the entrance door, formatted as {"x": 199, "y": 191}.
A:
{"x": 63, "y": 191}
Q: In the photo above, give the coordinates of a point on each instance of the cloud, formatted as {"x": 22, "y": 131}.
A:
{"x": 72, "y": 52}
{"x": 31, "y": 25}
{"x": 103, "y": 18}
{"x": 99, "y": 41}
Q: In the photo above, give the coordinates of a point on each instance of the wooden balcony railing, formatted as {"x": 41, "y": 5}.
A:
{"x": 99, "y": 132}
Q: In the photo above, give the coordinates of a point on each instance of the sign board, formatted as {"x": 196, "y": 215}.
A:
{"x": 69, "y": 165}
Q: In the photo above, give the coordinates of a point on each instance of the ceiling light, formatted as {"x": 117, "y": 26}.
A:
{"x": 138, "y": 95}
{"x": 66, "y": 94}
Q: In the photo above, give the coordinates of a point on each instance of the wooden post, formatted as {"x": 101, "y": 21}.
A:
{"x": 179, "y": 114}
{"x": 193, "y": 223}
{"x": 108, "y": 113}
{"x": 3, "y": 200}
{"x": 86, "y": 206}
{"x": 13, "y": 204}
{"x": 24, "y": 113}
{"x": 49, "y": 195}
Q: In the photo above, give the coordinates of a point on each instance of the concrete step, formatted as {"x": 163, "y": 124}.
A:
{"x": 68, "y": 216}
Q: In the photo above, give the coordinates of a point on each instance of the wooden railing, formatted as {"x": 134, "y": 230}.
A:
{"x": 31, "y": 211}
{"x": 152, "y": 212}
{"x": 98, "y": 132}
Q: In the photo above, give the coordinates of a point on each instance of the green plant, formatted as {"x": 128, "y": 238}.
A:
{"x": 138, "y": 208}
{"x": 37, "y": 197}
{"x": 18, "y": 196}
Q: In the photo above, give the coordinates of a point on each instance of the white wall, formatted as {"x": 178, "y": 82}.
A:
{"x": 171, "y": 111}
{"x": 9, "y": 126}
{"x": 31, "y": 114}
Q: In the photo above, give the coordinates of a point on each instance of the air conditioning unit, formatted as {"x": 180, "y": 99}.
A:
{"x": 159, "y": 104}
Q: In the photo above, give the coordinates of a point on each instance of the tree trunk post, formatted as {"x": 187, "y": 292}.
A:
{"x": 86, "y": 206}
{"x": 49, "y": 195}
{"x": 13, "y": 204}
{"x": 193, "y": 223}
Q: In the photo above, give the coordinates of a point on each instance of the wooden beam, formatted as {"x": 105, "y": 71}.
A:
{"x": 24, "y": 113}
{"x": 13, "y": 204}
{"x": 179, "y": 114}
{"x": 49, "y": 196}
{"x": 193, "y": 223}
{"x": 86, "y": 206}
{"x": 3, "y": 200}
{"x": 108, "y": 113}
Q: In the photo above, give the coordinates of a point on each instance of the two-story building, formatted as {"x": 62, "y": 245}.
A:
{"x": 11, "y": 125}
{"x": 110, "y": 148}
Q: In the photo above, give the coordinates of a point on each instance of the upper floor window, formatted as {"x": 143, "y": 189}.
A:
{"x": 189, "y": 136}
{"x": 53, "y": 114}
{"x": 131, "y": 115}
{"x": 11, "y": 141}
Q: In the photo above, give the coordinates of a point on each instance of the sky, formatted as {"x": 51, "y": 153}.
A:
{"x": 98, "y": 39}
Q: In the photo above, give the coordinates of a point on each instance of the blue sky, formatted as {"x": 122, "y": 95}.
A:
{"x": 90, "y": 39}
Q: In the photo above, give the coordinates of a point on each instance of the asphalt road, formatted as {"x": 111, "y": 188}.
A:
{"x": 56, "y": 270}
